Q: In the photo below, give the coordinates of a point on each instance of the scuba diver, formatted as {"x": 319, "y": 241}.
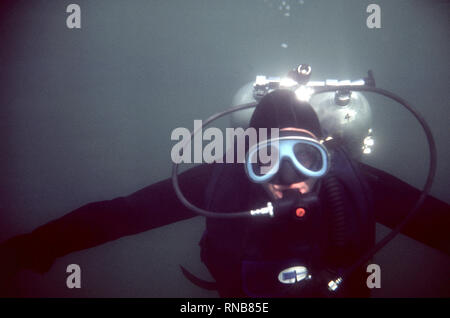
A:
{"x": 308, "y": 229}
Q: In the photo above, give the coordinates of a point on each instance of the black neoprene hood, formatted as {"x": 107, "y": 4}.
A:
{"x": 282, "y": 109}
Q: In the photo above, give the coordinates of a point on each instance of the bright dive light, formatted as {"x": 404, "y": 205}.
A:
{"x": 368, "y": 144}
{"x": 287, "y": 82}
{"x": 304, "y": 93}
{"x": 261, "y": 80}
{"x": 368, "y": 141}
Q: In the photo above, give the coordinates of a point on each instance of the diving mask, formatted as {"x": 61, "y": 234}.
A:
{"x": 308, "y": 156}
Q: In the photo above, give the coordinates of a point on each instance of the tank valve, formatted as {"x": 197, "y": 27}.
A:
{"x": 301, "y": 74}
{"x": 342, "y": 97}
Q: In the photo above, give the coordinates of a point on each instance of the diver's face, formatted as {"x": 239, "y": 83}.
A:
{"x": 288, "y": 178}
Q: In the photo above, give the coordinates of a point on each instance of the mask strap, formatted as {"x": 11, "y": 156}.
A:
{"x": 300, "y": 130}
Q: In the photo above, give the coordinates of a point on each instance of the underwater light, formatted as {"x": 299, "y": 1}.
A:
{"x": 304, "y": 93}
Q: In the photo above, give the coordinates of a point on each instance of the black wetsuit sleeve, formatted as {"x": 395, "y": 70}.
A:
{"x": 99, "y": 222}
{"x": 394, "y": 198}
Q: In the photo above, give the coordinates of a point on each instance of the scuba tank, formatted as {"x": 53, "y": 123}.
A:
{"x": 343, "y": 114}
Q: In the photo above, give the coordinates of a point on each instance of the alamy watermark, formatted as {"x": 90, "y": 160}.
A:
{"x": 231, "y": 148}
{"x": 74, "y": 279}
{"x": 374, "y": 19}
{"x": 374, "y": 279}
{"x": 73, "y": 20}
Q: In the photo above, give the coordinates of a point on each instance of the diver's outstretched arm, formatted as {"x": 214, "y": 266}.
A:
{"x": 99, "y": 222}
{"x": 394, "y": 198}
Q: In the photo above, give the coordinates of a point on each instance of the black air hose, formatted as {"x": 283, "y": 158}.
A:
{"x": 338, "y": 219}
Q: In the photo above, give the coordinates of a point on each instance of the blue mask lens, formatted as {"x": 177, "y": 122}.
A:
{"x": 307, "y": 155}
